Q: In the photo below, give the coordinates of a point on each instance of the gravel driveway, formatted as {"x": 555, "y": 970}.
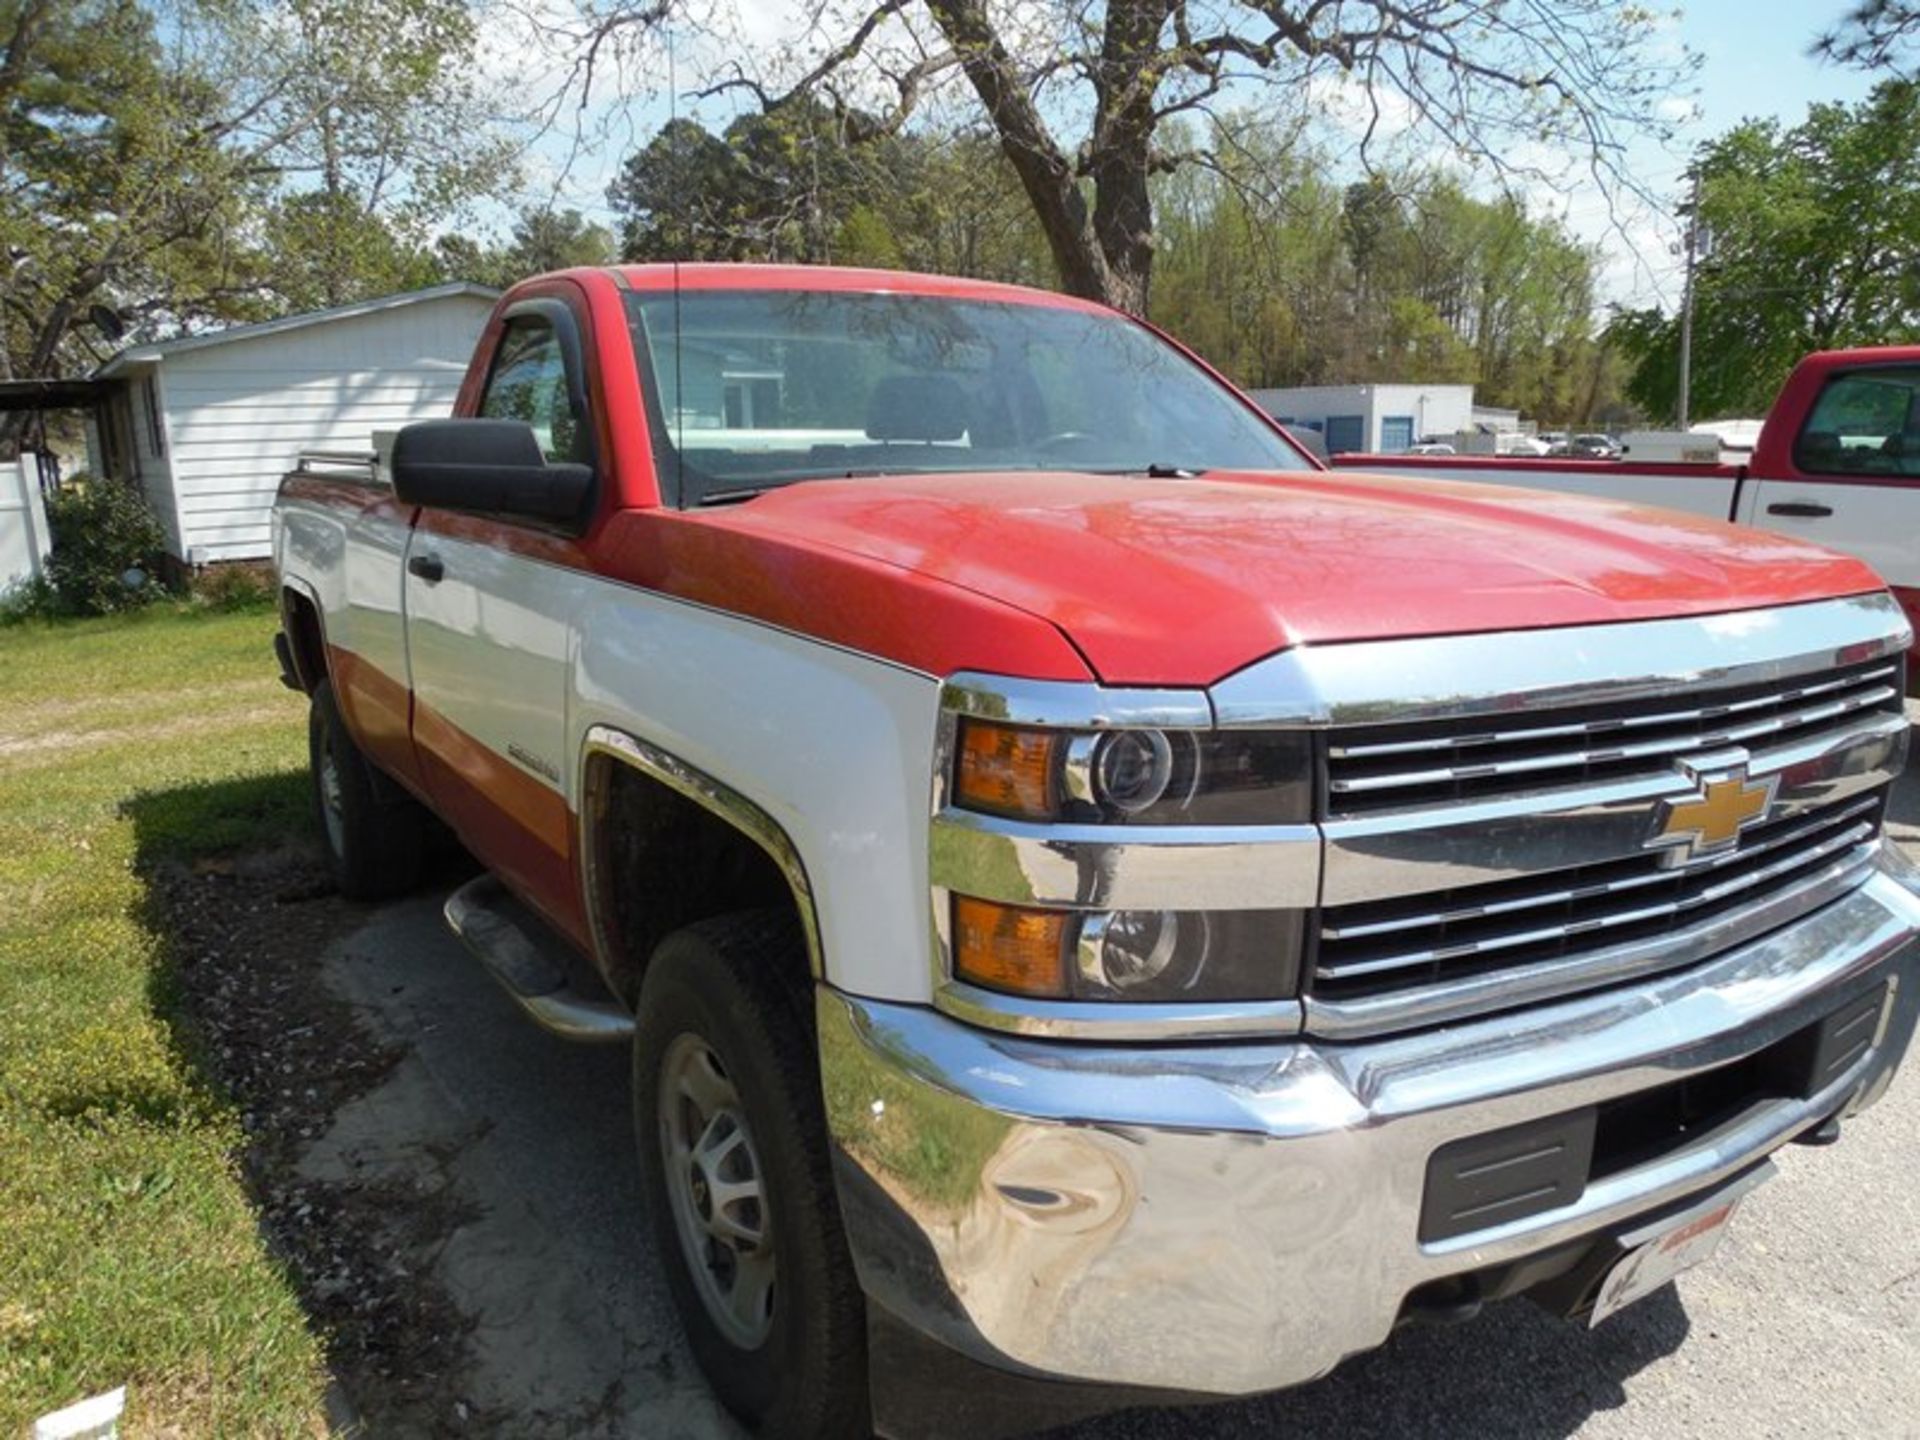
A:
{"x": 1806, "y": 1323}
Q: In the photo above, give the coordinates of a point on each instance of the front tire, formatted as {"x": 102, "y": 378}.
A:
{"x": 374, "y": 835}
{"x": 734, "y": 1157}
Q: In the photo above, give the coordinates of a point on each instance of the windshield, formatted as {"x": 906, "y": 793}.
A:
{"x": 768, "y": 387}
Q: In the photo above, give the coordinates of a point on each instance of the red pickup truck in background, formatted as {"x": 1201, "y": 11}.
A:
{"x": 1838, "y": 462}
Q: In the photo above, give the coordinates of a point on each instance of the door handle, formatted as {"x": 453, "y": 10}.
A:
{"x": 429, "y": 568}
{"x": 1800, "y": 509}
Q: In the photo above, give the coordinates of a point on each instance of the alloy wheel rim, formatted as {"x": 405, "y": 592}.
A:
{"x": 716, "y": 1191}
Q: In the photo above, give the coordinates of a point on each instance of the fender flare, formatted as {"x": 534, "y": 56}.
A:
{"x": 604, "y": 747}
{"x": 297, "y": 587}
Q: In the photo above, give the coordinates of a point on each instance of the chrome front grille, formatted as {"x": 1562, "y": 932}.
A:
{"x": 1373, "y": 768}
{"x": 1512, "y": 833}
{"x": 1381, "y": 947}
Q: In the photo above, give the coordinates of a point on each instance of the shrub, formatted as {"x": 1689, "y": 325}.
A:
{"x": 234, "y": 585}
{"x": 34, "y": 599}
{"x": 102, "y": 529}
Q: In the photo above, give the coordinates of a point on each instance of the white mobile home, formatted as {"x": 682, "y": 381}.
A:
{"x": 208, "y": 423}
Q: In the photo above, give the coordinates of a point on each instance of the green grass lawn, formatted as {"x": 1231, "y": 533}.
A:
{"x": 129, "y": 1253}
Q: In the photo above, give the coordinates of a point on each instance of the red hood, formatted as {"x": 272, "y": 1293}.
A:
{"x": 1161, "y": 582}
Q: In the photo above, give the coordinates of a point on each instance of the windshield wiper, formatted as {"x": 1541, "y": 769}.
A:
{"x": 750, "y": 492}
{"x": 730, "y": 497}
{"x": 1154, "y": 470}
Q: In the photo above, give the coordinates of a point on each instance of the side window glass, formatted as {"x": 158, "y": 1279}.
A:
{"x": 1866, "y": 422}
{"x": 529, "y": 382}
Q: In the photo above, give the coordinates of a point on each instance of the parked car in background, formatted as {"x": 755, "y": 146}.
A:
{"x": 1593, "y": 447}
{"x": 1431, "y": 447}
{"x": 1101, "y": 908}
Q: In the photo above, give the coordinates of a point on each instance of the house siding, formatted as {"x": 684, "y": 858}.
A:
{"x": 238, "y": 413}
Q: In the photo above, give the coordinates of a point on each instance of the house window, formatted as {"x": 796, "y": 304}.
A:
{"x": 1396, "y": 434}
{"x": 156, "y": 428}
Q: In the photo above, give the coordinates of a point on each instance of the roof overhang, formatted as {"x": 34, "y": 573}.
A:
{"x": 158, "y": 351}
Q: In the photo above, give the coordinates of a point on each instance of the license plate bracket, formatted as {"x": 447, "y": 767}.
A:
{"x": 1662, "y": 1249}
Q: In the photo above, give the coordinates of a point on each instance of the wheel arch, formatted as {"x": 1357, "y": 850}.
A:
{"x": 705, "y": 811}
{"x": 301, "y": 623}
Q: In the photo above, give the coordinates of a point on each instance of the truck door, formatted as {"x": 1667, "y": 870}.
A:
{"x": 490, "y": 602}
{"x": 1851, "y": 479}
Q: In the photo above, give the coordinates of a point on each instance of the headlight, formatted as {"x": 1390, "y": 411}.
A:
{"x": 1137, "y": 955}
{"x": 1133, "y": 776}
{"x": 1139, "y": 951}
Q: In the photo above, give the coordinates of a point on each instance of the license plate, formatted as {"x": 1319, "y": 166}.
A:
{"x": 1686, "y": 1241}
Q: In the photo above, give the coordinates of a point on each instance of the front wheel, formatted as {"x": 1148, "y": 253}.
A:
{"x": 374, "y": 835}
{"x": 733, "y": 1151}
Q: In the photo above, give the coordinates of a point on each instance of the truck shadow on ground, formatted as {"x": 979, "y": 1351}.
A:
{"x": 1515, "y": 1371}
{"x": 456, "y": 1195}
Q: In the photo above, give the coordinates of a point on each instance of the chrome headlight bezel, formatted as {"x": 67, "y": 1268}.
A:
{"x": 1116, "y": 811}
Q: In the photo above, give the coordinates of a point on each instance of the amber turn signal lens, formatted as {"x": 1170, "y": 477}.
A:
{"x": 1007, "y": 770}
{"x": 1010, "y": 948}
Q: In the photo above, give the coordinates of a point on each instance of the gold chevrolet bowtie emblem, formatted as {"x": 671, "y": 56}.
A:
{"x": 1713, "y": 818}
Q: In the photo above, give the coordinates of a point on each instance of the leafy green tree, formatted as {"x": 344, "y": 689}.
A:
{"x": 119, "y": 203}
{"x": 332, "y": 250}
{"x": 1284, "y": 278}
{"x": 803, "y": 185}
{"x": 679, "y": 197}
{"x": 160, "y": 159}
{"x": 772, "y": 187}
{"x": 372, "y": 106}
{"x": 865, "y": 238}
{"x": 546, "y": 239}
{"x": 1815, "y": 243}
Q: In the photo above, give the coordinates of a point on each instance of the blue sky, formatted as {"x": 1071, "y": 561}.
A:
{"x": 1758, "y": 66}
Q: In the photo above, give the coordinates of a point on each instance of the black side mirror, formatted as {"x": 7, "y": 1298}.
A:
{"x": 491, "y": 466}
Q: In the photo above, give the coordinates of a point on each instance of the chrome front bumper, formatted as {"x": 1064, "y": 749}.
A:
{"x": 1231, "y": 1218}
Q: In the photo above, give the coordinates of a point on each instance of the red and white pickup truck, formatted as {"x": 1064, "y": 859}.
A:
{"x": 1837, "y": 462}
{"x": 1092, "y": 896}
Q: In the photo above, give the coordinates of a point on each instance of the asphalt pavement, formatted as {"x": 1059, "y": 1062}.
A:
{"x": 1806, "y": 1323}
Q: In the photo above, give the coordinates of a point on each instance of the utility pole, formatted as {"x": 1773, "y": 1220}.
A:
{"x": 1686, "y": 299}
